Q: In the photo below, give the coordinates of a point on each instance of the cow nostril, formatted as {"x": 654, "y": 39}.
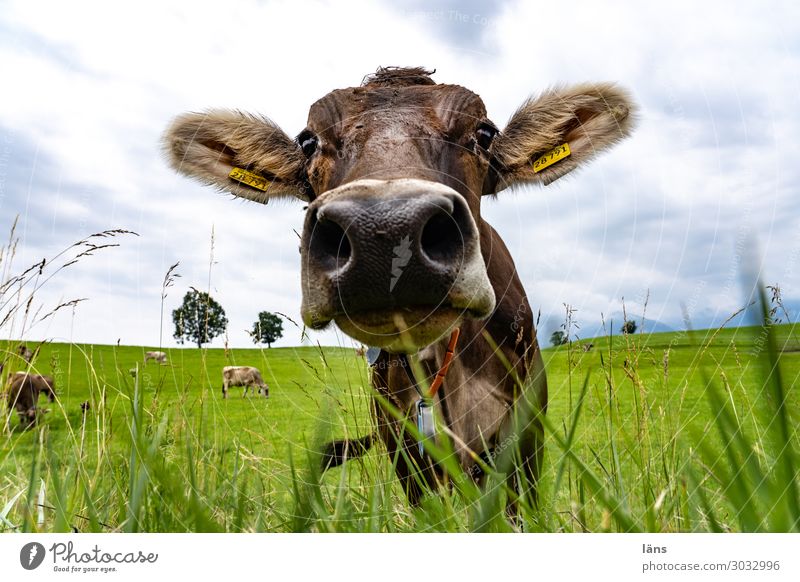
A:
{"x": 330, "y": 245}
{"x": 442, "y": 240}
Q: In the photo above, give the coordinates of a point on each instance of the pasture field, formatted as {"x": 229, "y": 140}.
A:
{"x": 660, "y": 432}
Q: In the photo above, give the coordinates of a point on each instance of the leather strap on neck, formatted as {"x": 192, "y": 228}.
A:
{"x": 448, "y": 358}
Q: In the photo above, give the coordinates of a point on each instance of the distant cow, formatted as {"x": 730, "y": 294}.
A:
{"x": 23, "y": 394}
{"x": 25, "y": 353}
{"x": 246, "y": 376}
{"x": 588, "y": 347}
{"x": 159, "y": 357}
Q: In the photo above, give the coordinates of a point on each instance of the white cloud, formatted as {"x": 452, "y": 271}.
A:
{"x": 90, "y": 86}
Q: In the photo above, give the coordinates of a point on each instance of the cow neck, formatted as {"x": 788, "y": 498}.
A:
{"x": 438, "y": 380}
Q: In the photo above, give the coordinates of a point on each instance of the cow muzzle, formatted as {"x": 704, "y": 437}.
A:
{"x": 394, "y": 263}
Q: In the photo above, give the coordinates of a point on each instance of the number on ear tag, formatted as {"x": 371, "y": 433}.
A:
{"x": 249, "y": 178}
{"x": 549, "y": 158}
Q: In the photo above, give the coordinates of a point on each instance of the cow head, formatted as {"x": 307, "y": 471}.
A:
{"x": 394, "y": 172}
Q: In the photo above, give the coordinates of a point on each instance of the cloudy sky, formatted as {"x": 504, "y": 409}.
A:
{"x": 708, "y": 182}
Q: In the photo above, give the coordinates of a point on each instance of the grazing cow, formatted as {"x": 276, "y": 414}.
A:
{"x": 25, "y": 353}
{"x": 23, "y": 394}
{"x": 159, "y": 357}
{"x": 587, "y": 347}
{"x": 395, "y": 251}
{"x": 246, "y": 376}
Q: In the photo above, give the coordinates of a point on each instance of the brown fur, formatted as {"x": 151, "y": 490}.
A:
{"x": 208, "y": 145}
{"x": 25, "y": 353}
{"x": 400, "y": 124}
{"x": 23, "y": 394}
{"x": 398, "y": 77}
{"x": 590, "y": 117}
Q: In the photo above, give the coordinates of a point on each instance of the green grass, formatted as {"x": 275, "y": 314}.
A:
{"x": 247, "y": 437}
{"x": 662, "y": 432}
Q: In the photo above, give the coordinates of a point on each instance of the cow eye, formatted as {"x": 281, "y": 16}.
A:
{"x": 308, "y": 143}
{"x": 485, "y": 134}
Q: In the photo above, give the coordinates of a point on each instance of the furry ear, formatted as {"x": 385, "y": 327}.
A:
{"x": 209, "y": 146}
{"x": 589, "y": 118}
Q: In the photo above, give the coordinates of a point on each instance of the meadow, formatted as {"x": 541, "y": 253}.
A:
{"x": 665, "y": 432}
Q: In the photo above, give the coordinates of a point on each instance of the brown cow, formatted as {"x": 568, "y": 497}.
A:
{"x": 25, "y": 353}
{"x": 246, "y": 376}
{"x": 160, "y": 357}
{"x": 23, "y": 394}
{"x": 394, "y": 249}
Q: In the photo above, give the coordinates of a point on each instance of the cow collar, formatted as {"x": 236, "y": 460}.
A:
{"x": 373, "y": 354}
{"x": 425, "y": 422}
{"x": 448, "y": 359}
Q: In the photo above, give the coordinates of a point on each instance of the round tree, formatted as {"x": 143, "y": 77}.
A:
{"x": 199, "y": 319}
{"x": 558, "y": 338}
{"x": 267, "y": 329}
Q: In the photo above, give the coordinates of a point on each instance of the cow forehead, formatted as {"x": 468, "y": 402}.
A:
{"x": 448, "y": 105}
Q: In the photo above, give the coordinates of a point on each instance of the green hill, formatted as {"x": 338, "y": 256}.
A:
{"x": 175, "y": 456}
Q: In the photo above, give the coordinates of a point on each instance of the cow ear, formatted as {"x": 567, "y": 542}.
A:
{"x": 246, "y": 155}
{"x": 554, "y": 133}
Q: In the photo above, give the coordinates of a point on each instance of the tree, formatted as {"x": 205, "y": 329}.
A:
{"x": 199, "y": 319}
{"x": 558, "y": 338}
{"x": 267, "y": 329}
{"x": 629, "y": 327}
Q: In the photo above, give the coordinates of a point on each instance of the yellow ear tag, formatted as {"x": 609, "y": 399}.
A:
{"x": 248, "y": 178}
{"x": 549, "y": 158}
